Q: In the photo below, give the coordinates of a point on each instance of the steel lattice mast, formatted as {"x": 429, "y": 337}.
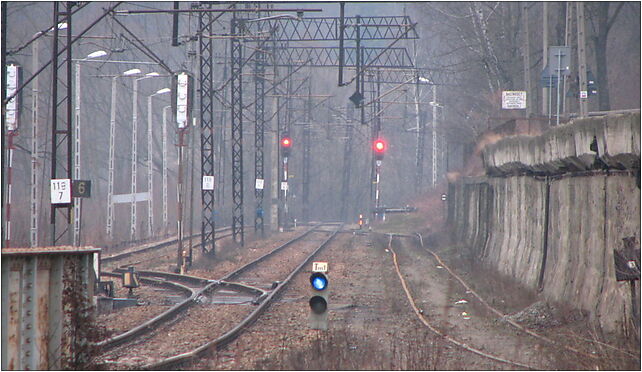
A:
{"x": 301, "y": 29}
{"x": 207, "y": 127}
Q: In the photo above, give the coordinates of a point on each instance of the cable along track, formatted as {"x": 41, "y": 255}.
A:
{"x": 500, "y": 315}
{"x": 198, "y": 323}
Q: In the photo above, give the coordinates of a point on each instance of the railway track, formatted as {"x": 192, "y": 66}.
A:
{"x": 149, "y": 252}
{"x": 567, "y": 346}
{"x": 202, "y": 320}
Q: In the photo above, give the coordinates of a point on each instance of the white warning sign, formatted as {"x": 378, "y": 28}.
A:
{"x": 513, "y": 100}
{"x": 208, "y": 182}
{"x": 61, "y": 191}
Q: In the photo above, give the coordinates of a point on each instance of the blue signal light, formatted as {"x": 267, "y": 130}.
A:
{"x": 319, "y": 284}
{"x": 319, "y": 281}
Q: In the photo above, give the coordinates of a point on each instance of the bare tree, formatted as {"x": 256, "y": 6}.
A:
{"x": 601, "y": 23}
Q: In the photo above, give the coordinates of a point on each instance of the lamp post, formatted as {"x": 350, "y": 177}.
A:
{"x": 134, "y": 163}
{"x": 34, "y": 211}
{"x": 434, "y": 105}
{"x": 150, "y": 173}
{"x": 78, "y": 201}
{"x": 165, "y": 219}
{"x": 112, "y": 137}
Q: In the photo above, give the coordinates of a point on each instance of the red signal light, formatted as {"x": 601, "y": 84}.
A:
{"x": 379, "y": 146}
{"x": 286, "y": 145}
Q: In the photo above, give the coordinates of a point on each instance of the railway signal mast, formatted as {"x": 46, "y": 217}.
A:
{"x": 379, "y": 147}
{"x": 286, "y": 148}
{"x": 182, "y": 107}
{"x": 12, "y": 114}
{"x": 319, "y": 297}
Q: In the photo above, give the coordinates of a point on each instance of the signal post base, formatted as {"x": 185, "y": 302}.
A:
{"x": 319, "y": 322}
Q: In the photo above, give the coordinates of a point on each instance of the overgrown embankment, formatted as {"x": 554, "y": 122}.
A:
{"x": 553, "y": 209}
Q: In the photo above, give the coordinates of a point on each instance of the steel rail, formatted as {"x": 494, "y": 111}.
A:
{"x": 172, "y": 281}
{"x": 120, "y": 256}
{"x": 158, "y": 283}
{"x": 500, "y": 314}
{"x": 191, "y": 300}
{"x": 249, "y": 320}
{"x": 424, "y": 321}
{"x": 172, "y": 278}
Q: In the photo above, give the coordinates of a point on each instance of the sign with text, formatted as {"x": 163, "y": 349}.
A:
{"x": 12, "y": 114}
{"x": 513, "y": 100}
{"x": 81, "y": 189}
{"x": 208, "y": 182}
{"x": 61, "y": 191}
{"x": 259, "y": 183}
{"x": 319, "y": 267}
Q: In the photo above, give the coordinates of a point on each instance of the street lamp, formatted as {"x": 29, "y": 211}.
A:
{"x": 165, "y": 166}
{"x": 150, "y": 173}
{"x": 34, "y": 209}
{"x": 276, "y": 16}
{"x": 133, "y": 71}
{"x": 112, "y": 137}
{"x": 134, "y": 163}
{"x": 78, "y": 201}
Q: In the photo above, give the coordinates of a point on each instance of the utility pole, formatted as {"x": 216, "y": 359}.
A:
{"x": 236, "y": 99}
{"x": 347, "y": 163}
{"x": 150, "y": 169}
{"x": 274, "y": 151}
{"x": 34, "y": 210}
{"x": 259, "y": 140}
{"x": 421, "y": 134}
{"x": 205, "y": 78}
{"x": 180, "y": 261}
{"x": 164, "y": 169}
{"x": 77, "y": 201}
{"x": 567, "y": 39}
{"x": 434, "y": 136}
{"x": 545, "y": 90}
{"x": 61, "y": 140}
{"x": 307, "y": 149}
{"x": 134, "y": 161}
{"x": 110, "y": 178}
{"x": 527, "y": 60}
{"x": 581, "y": 56}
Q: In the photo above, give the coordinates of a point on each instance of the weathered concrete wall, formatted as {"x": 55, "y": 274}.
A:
{"x": 597, "y": 213}
{"x": 514, "y": 246}
{"x": 567, "y": 148}
{"x": 554, "y": 223}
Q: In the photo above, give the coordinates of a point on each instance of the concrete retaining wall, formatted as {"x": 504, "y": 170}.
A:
{"x": 557, "y": 232}
{"x": 567, "y": 148}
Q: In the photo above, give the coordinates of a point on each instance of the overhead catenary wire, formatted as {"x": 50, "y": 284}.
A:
{"x": 60, "y": 52}
{"x": 143, "y": 48}
{"x": 43, "y": 32}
